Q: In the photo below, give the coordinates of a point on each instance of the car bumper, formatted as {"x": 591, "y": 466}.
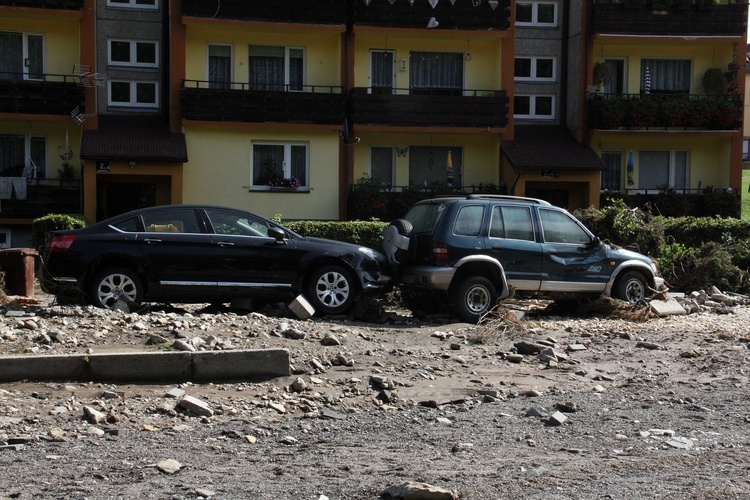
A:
{"x": 428, "y": 277}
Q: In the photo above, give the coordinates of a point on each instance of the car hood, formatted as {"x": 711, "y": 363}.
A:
{"x": 624, "y": 254}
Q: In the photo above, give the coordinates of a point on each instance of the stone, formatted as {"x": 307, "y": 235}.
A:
{"x": 299, "y": 385}
{"x": 514, "y": 358}
{"x": 329, "y": 339}
{"x": 196, "y": 406}
{"x": 295, "y": 334}
{"x": 301, "y": 308}
{"x": 93, "y": 416}
{"x": 648, "y": 345}
{"x": 182, "y": 345}
{"x": 527, "y": 348}
{"x": 557, "y": 419}
{"x": 680, "y": 442}
{"x": 175, "y": 393}
{"x": 418, "y": 491}
{"x": 288, "y": 440}
{"x": 169, "y": 466}
{"x": 669, "y": 307}
{"x": 536, "y": 412}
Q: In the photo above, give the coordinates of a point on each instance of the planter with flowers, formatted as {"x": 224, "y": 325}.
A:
{"x": 284, "y": 183}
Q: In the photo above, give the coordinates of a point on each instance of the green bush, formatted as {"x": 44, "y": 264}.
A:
{"x": 696, "y": 231}
{"x": 42, "y": 226}
{"x": 365, "y": 233}
{"x": 690, "y": 268}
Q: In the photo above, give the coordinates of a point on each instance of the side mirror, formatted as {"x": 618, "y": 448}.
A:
{"x": 595, "y": 242}
{"x": 277, "y": 234}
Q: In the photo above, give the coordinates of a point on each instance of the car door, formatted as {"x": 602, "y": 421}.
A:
{"x": 574, "y": 261}
{"x": 177, "y": 253}
{"x": 247, "y": 257}
{"x": 512, "y": 241}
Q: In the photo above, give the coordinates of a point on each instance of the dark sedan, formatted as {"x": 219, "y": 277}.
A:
{"x": 195, "y": 254}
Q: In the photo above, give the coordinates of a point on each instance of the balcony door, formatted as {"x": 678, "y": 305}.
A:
{"x": 382, "y": 71}
{"x": 219, "y": 66}
{"x": 436, "y": 73}
{"x": 276, "y": 69}
{"x": 617, "y": 69}
{"x": 21, "y": 56}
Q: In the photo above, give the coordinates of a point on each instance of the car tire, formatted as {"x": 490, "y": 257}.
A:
{"x": 115, "y": 284}
{"x": 331, "y": 289}
{"x": 472, "y": 298}
{"x": 631, "y": 287}
{"x": 403, "y": 228}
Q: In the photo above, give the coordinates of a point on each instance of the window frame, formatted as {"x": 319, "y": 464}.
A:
{"x": 391, "y": 182}
{"x": 288, "y": 87}
{"x": 133, "y": 103}
{"x": 672, "y": 169}
{"x": 25, "y": 70}
{"x": 218, "y": 84}
{"x": 533, "y": 76}
{"x": 132, "y": 4}
{"x": 286, "y": 166}
{"x": 532, "y": 108}
{"x": 534, "y": 23}
{"x": 133, "y": 62}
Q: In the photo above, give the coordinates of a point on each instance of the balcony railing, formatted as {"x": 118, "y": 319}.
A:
{"x": 331, "y": 12}
{"x": 655, "y": 111}
{"x": 665, "y": 18}
{"x": 440, "y": 108}
{"x": 42, "y": 198}
{"x": 48, "y": 94}
{"x": 244, "y": 102}
{"x": 463, "y": 15}
{"x": 44, "y": 4}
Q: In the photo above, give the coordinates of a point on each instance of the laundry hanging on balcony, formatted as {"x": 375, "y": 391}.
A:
{"x": 10, "y": 184}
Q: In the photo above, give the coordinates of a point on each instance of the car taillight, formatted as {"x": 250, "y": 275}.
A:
{"x": 60, "y": 243}
{"x": 440, "y": 252}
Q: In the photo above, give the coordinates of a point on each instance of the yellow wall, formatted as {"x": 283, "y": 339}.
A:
{"x": 322, "y": 51}
{"x": 703, "y": 56}
{"x": 61, "y": 39}
{"x": 480, "y": 154}
{"x": 485, "y": 54}
{"x": 219, "y": 172}
{"x": 708, "y": 154}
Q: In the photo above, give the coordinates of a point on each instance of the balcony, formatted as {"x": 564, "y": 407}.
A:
{"x": 42, "y": 198}
{"x": 44, "y": 4}
{"x": 653, "y": 112}
{"x": 461, "y": 16}
{"x": 470, "y": 108}
{"x": 668, "y": 18}
{"x": 49, "y": 95}
{"x": 331, "y": 12}
{"x": 242, "y": 102}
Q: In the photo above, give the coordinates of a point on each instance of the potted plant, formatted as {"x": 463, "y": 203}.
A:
{"x": 602, "y": 74}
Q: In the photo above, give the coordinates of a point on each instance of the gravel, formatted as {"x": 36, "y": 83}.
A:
{"x": 549, "y": 406}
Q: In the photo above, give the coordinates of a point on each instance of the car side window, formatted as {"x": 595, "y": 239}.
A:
{"x": 497, "y": 228}
{"x": 228, "y": 222}
{"x": 469, "y": 220}
{"x": 129, "y": 225}
{"x": 559, "y": 227}
{"x": 181, "y": 220}
{"x": 517, "y": 222}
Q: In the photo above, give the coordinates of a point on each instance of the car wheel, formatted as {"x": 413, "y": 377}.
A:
{"x": 112, "y": 285}
{"x": 397, "y": 241}
{"x": 331, "y": 289}
{"x": 631, "y": 287}
{"x": 473, "y": 297}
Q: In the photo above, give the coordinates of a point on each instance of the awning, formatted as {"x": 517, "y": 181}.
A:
{"x": 547, "y": 148}
{"x": 143, "y": 138}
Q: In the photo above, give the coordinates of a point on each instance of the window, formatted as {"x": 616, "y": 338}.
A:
{"x": 745, "y": 149}
{"x": 134, "y": 4}
{"x": 663, "y": 169}
{"x": 435, "y": 166}
{"x": 381, "y": 165}
{"x": 20, "y": 154}
{"x": 469, "y": 220}
{"x": 276, "y": 68}
{"x": 382, "y": 74}
{"x": 540, "y": 107}
{"x": 134, "y": 53}
{"x": 612, "y": 175}
{"x": 237, "y": 223}
{"x": 219, "y": 66}
{"x": 537, "y": 14}
{"x": 279, "y": 164}
{"x": 559, "y": 228}
{"x": 512, "y": 223}
{"x": 665, "y": 76}
{"x": 21, "y": 56}
{"x": 133, "y": 93}
{"x": 436, "y": 73}
{"x": 541, "y": 69}
{"x": 179, "y": 220}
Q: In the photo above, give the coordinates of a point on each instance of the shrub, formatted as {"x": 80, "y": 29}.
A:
{"x": 365, "y": 233}
{"x": 42, "y": 226}
{"x": 689, "y": 268}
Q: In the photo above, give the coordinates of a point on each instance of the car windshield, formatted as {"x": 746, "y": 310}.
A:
{"x": 424, "y": 217}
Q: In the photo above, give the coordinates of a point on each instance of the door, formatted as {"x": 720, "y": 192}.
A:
{"x": 248, "y": 260}
{"x": 178, "y": 255}
{"x": 382, "y": 72}
{"x": 573, "y": 260}
{"x": 616, "y": 85}
{"x": 512, "y": 241}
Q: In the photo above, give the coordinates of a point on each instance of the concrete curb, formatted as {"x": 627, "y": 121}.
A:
{"x": 149, "y": 367}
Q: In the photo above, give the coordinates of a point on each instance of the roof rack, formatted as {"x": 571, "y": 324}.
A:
{"x": 507, "y": 198}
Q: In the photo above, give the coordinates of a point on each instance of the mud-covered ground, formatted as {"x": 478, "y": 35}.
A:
{"x": 547, "y": 407}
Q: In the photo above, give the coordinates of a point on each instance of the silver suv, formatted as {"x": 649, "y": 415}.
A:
{"x": 477, "y": 249}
